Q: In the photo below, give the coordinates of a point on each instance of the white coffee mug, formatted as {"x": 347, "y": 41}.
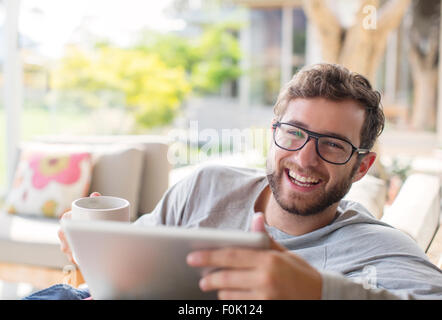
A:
{"x": 101, "y": 208}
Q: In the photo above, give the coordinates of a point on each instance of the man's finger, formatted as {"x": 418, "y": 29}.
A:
{"x": 259, "y": 226}
{"x": 258, "y": 223}
{"x": 66, "y": 215}
{"x": 229, "y": 279}
{"x": 227, "y": 258}
{"x": 63, "y": 242}
{"x": 64, "y": 246}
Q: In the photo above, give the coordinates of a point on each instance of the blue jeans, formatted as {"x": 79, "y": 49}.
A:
{"x": 59, "y": 292}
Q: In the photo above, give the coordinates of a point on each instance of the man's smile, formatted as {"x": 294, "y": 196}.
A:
{"x": 303, "y": 183}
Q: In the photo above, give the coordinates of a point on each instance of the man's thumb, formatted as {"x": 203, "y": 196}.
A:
{"x": 258, "y": 226}
{"x": 258, "y": 223}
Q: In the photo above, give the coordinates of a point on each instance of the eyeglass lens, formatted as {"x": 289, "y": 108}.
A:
{"x": 330, "y": 149}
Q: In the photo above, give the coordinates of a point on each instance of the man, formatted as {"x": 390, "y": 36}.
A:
{"x": 326, "y": 122}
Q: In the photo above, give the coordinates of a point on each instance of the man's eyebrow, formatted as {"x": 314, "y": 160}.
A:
{"x": 328, "y": 133}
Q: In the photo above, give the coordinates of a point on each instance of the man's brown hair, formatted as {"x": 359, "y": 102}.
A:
{"x": 337, "y": 83}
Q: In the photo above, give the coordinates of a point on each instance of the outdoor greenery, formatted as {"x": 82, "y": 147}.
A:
{"x": 154, "y": 76}
{"x": 209, "y": 60}
{"x": 152, "y": 90}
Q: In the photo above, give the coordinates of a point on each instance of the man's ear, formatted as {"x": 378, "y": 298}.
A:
{"x": 272, "y": 123}
{"x": 366, "y": 162}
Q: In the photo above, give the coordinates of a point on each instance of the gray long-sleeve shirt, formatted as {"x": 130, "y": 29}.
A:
{"x": 358, "y": 256}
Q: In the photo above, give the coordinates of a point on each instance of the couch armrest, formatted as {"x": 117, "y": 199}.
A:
{"x": 416, "y": 209}
{"x": 434, "y": 252}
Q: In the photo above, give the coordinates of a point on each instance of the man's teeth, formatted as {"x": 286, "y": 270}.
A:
{"x": 299, "y": 178}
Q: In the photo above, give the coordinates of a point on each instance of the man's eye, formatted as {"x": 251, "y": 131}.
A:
{"x": 334, "y": 145}
{"x": 297, "y": 133}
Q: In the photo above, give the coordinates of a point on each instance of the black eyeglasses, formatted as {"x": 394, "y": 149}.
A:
{"x": 331, "y": 149}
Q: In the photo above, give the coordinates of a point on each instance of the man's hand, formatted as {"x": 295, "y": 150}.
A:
{"x": 258, "y": 274}
{"x": 64, "y": 246}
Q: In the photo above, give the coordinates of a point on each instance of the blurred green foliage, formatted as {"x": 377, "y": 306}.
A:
{"x": 209, "y": 60}
{"x": 155, "y": 75}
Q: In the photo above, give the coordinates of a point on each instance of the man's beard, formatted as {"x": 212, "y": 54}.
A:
{"x": 324, "y": 200}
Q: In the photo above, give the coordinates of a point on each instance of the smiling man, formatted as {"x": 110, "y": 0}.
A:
{"x": 326, "y": 122}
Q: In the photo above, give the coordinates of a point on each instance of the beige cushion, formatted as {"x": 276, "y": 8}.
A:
{"x": 117, "y": 172}
{"x": 371, "y": 192}
{"x": 116, "y": 168}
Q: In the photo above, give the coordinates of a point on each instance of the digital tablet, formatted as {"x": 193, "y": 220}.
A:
{"x": 123, "y": 261}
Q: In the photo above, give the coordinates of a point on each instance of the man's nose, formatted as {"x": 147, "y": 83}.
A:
{"x": 307, "y": 156}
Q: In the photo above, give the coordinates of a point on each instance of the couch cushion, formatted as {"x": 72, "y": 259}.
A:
{"x": 371, "y": 192}
{"x": 30, "y": 240}
{"x": 117, "y": 172}
{"x": 116, "y": 168}
{"x": 47, "y": 181}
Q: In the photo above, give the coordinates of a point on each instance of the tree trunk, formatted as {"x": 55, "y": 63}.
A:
{"x": 423, "y": 58}
{"x": 359, "y": 45}
{"x": 425, "y": 99}
{"x": 359, "y": 48}
{"x": 329, "y": 29}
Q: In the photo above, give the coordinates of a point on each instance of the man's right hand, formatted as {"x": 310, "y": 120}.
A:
{"x": 64, "y": 246}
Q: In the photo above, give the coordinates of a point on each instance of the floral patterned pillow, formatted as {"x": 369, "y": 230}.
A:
{"x": 46, "y": 183}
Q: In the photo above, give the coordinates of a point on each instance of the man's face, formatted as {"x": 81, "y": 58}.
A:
{"x": 302, "y": 183}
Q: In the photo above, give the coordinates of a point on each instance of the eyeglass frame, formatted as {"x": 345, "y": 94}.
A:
{"x": 316, "y": 136}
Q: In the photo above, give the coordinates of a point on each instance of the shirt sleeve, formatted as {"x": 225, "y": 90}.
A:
{"x": 380, "y": 263}
{"x": 337, "y": 287}
{"x": 170, "y": 209}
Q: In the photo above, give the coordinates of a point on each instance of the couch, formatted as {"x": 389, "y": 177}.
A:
{"x": 132, "y": 167}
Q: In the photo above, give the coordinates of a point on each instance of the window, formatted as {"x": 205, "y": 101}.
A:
{"x": 265, "y": 61}
{"x": 62, "y": 43}
{"x": 270, "y": 59}
{"x": 2, "y": 109}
